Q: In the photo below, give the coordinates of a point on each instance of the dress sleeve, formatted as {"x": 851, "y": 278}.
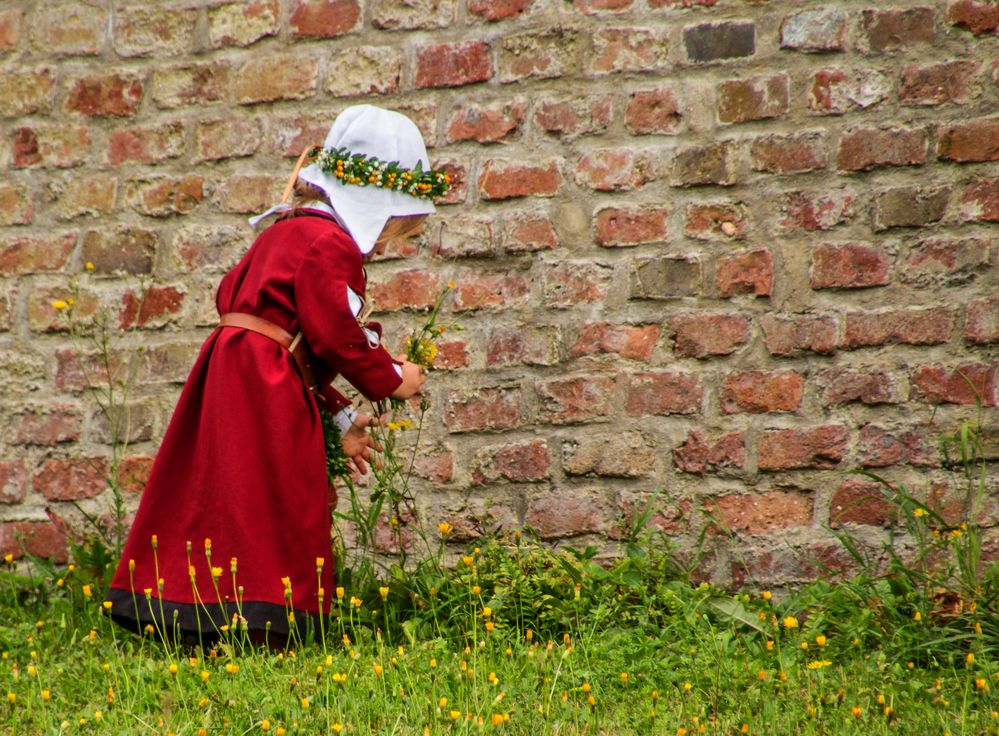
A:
{"x": 324, "y": 300}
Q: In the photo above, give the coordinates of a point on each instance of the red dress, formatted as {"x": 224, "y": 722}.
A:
{"x": 242, "y": 463}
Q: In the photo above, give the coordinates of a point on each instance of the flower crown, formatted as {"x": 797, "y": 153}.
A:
{"x": 363, "y": 171}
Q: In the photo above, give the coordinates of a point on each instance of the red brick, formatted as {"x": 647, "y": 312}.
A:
{"x": 453, "y": 65}
{"x": 665, "y": 277}
{"x": 364, "y": 70}
{"x": 628, "y": 50}
{"x": 964, "y": 384}
{"x": 15, "y": 205}
{"x": 165, "y": 196}
{"x": 51, "y": 425}
{"x": 789, "y": 154}
{"x": 839, "y": 91}
{"x": 140, "y": 31}
{"x": 594, "y": 7}
{"x": 945, "y": 261}
{"x": 715, "y": 163}
{"x": 880, "y": 446}
{"x": 13, "y": 481}
{"x": 412, "y": 289}
{"x": 619, "y": 455}
{"x": 407, "y": 15}
{"x": 815, "y": 447}
{"x": 842, "y": 385}
{"x": 871, "y": 148}
{"x": 756, "y": 98}
{"x": 978, "y": 16}
{"x": 653, "y": 111}
{"x": 220, "y": 139}
{"x": 133, "y": 473}
{"x": 43, "y": 317}
{"x": 936, "y": 84}
{"x": 157, "y": 306}
{"x": 451, "y": 354}
{"x": 861, "y": 502}
{"x": 94, "y": 196}
{"x": 47, "y": 146}
{"x": 457, "y": 169}
{"x": 930, "y": 326}
{"x": 789, "y": 334}
{"x": 664, "y": 392}
{"x": 483, "y": 290}
{"x": 558, "y": 514}
{"x": 523, "y": 344}
{"x": 699, "y": 454}
{"x": 482, "y": 409}
{"x": 190, "y": 84}
{"x": 624, "y": 227}
{"x": 892, "y": 29}
{"x": 698, "y": 335}
{"x": 759, "y": 513}
{"x": 116, "y": 95}
{"x": 496, "y": 10}
{"x": 821, "y": 29}
{"x": 527, "y": 234}
{"x": 568, "y": 283}
{"x": 516, "y": 461}
{"x": 324, "y": 18}
{"x": 717, "y": 220}
{"x": 75, "y": 371}
{"x": 39, "y": 538}
{"x": 750, "y": 272}
{"x": 207, "y": 249}
{"x": 490, "y": 123}
{"x": 169, "y": 363}
{"x": 244, "y": 193}
{"x": 435, "y": 465}
{"x": 146, "y": 145}
{"x": 277, "y": 77}
{"x": 980, "y": 200}
{"x": 68, "y": 28}
{"x": 614, "y": 169}
{"x": 762, "y": 391}
{"x": 243, "y": 23}
{"x": 972, "y": 140}
{"x": 669, "y": 519}
{"x": 538, "y": 55}
{"x": 848, "y": 266}
{"x": 508, "y": 179}
{"x": 70, "y": 479}
{"x": 464, "y": 237}
{"x": 769, "y": 568}
{"x": 634, "y": 342}
{"x": 575, "y": 399}
{"x": 573, "y": 117}
{"x": 10, "y": 29}
{"x": 814, "y": 211}
{"x": 981, "y": 324}
{"x": 130, "y": 249}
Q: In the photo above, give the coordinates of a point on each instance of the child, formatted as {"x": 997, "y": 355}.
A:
{"x": 234, "y": 522}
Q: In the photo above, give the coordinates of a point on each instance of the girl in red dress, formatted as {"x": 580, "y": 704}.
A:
{"x": 234, "y": 522}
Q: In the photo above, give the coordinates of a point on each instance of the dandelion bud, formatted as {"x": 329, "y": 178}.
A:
{"x": 383, "y": 592}
{"x": 155, "y": 541}
{"x": 339, "y": 593}
{"x": 131, "y": 565}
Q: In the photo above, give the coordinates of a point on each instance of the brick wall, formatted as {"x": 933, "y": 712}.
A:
{"x": 728, "y": 249}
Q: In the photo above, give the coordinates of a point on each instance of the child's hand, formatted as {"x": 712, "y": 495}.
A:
{"x": 358, "y": 445}
{"x": 412, "y": 380}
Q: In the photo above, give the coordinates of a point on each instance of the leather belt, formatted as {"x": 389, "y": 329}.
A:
{"x": 295, "y": 345}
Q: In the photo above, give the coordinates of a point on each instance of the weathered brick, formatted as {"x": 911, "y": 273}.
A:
{"x": 457, "y": 169}
{"x": 50, "y": 425}
{"x": 15, "y": 205}
{"x": 153, "y": 307}
{"x": 664, "y": 392}
{"x": 596, "y": 7}
{"x": 760, "y": 513}
{"x": 892, "y": 29}
{"x": 929, "y": 326}
{"x": 789, "y": 154}
{"x": 490, "y": 290}
{"x": 699, "y": 335}
{"x": 139, "y": 31}
{"x": 749, "y": 272}
{"x": 848, "y": 266}
{"x": 94, "y": 196}
{"x": 815, "y": 211}
{"x": 978, "y": 16}
{"x": 755, "y": 98}
{"x": 219, "y": 139}
{"x": 324, "y": 18}
{"x": 945, "y": 261}
{"x": 762, "y": 391}
{"x": 466, "y": 237}
{"x": 964, "y": 384}
{"x": 634, "y": 226}
{"x": 981, "y": 325}
{"x": 635, "y": 342}
{"x": 700, "y": 454}
{"x": 364, "y": 70}
{"x": 482, "y": 409}
{"x": 843, "y": 385}
{"x": 414, "y": 289}
{"x": 653, "y": 111}
{"x": 718, "y": 220}
{"x": 524, "y": 344}
{"x": 23, "y": 92}
{"x": 68, "y": 29}
{"x": 665, "y": 277}
{"x": 790, "y": 334}
{"x": 568, "y": 283}
{"x": 528, "y": 234}
{"x": 936, "y": 84}
{"x": 515, "y": 461}
{"x": 909, "y": 207}
{"x": 453, "y": 65}
{"x": 207, "y": 248}
{"x": 972, "y": 140}
{"x": 434, "y": 464}
{"x": 507, "y": 179}
{"x": 814, "y": 447}
{"x": 496, "y": 10}
{"x": 243, "y": 23}
{"x": 70, "y": 479}
{"x": 718, "y": 41}
{"x": 615, "y": 169}
{"x": 39, "y": 538}
{"x": 821, "y": 29}
{"x": 489, "y": 123}
{"x": 628, "y": 50}
{"x": 715, "y": 163}
{"x": 573, "y": 117}
{"x": 559, "y": 514}
{"x": 11, "y": 26}
{"x": 572, "y": 399}
{"x": 113, "y": 94}
{"x": 619, "y": 455}
{"x": 168, "y": 363}
{"x": 6, "y": 314}
{"x": 133, "y": 473}
{"x": 534, "y": 55}
{"x": 277, "y": 77}
{"x": 190, "y": 84}
{"x": 125, "y": 248}
{"x": 27, "y": 255}
{"x": 248, "y": 193}
{"x": 980, "y": 200}
{"x": 871, "y": 148}
{"x": 146, "y": 144}
{"x": 43, "y": 317}
{"x": 879, "y": 446}
{"x": 861, "y": 502}
{"x": 839, "y": 91}
{"x": 451, "y": 354}
{"x": 13, "y": 481}
{"x": 165, "y": 195}
{"x": 413, "y": 14}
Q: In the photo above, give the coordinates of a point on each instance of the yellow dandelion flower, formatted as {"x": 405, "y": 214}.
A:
{"x": 762, "y": 675}
{"x": 60, "y": 304}
{"x": 383, "y": 592}
{"x": 917, "y": 617}
{"x": 820, "y": 640}
{"x": 970, "y": 659}
{"x": 173, "y": 668}
{"x": 90, "y": 266}
{"x": 450, "y": 284}
{"x": 265, "y": 725}
{"x": 818, "y": 664}
{"x": 204, "y": 675}
{"x": 337, "y": 727}
{"x": 790, "y": 622}
{"x": 46, "y": 695}
{"x": 455, "y": 714}
{"x": 624, "y": 677}
{"x": 8, "y": 558}
{"x": 444, "y": 528}
{"x": 856, "y": 712}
